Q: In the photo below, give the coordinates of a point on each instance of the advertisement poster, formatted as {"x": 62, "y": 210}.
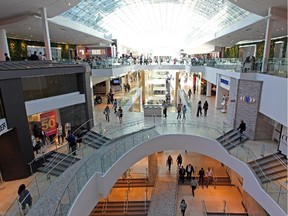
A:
{"x": 48, "y": 123}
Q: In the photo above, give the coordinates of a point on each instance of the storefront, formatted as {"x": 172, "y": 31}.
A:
{"x": 46, "y": 95}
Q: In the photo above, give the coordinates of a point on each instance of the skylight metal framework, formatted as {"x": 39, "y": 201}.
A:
{"x": 151, "y": 23}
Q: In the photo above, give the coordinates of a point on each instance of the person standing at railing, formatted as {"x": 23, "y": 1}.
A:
{"x": 24, "y": 198}
{"x": 72, "y": 142}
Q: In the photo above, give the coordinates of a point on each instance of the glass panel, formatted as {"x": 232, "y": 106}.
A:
{"x": 48, "y": 86}
{"x": 156, "y": 23}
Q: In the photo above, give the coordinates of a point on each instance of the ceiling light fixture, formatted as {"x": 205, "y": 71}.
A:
{"x": 68, "y": 3}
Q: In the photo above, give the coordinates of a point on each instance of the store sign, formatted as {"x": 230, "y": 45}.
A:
{"x": 224, "y": 82}
{"x": 247, "y": 99}
{"x": 48, "y": 123}
{"x": 3, "y": 126}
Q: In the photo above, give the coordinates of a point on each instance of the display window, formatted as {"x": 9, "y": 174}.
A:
{"x": 44, "y": 129}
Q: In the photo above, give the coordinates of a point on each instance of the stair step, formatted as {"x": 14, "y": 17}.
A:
{"x": 57, "y": 164}
{"x": 95, "y": 140}
{"x": 226, "y": 135}
{"x": 116, "y": 208}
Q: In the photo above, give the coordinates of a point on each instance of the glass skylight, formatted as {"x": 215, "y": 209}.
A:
{"x": 157, "y": 23}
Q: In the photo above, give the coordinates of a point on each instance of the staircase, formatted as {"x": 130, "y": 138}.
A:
{"x": 135, "y": 208}
{"x": 220, "y": 181}
{"x": 94, "y": 139}
{"x": 134, "y": 182}
{"x": 271, "y": 167}
{"x": 57, "y": 163}
{"x": 221, "y": 214}
{"x": 231, "y": 139}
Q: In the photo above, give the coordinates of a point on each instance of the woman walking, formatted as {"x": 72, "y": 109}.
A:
{"x": 183, "y": 207}
{"x": 106, "y": 112}
{"x": 184, "y": 110}
{"x": 205, "y": 107}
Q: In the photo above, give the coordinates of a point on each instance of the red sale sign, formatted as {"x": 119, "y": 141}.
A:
{"x": 48, "y": 122}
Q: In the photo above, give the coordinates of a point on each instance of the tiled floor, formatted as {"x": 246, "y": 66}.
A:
{"x": 8, "y": 190}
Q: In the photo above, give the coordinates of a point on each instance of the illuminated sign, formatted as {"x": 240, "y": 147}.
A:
{"x": 247, "y": 99}
{"x": 3, "y": 126}
{"x": 48, "y": 123}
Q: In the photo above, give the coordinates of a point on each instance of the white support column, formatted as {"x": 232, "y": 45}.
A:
{"x": 268, "y": 35}
{"x": 208, "y": 89}
{"x": 3, "y": 45}
{"x": 219, "y": 94}
{"x": 48, "y": 52}
{"x": 141, "y": 101}
{"x": 107, "y": 85}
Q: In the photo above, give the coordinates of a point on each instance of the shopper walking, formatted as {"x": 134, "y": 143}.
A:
{"x": 241, "y": 128}
{"x": 72, "y": 142}
{"x": 179, "y": 108}
{"x": 205, "y": 107}
{"x": 169, "y": 162}
{"x": 189, "y": 93}
{"x": 106, "y": 112}
{"x": 183, "y": 207}
{"x": 194, "y": 185}
{"x": 199, "y": 109}
{"x": 115, "y": 105}
{"x": 201, "y": 174}
{"x": 209, "y": 176}
{"x": 179, "y": 160}
{"x": 120, "y": 114}
{"x": 165, "y": 107}
{"x": 7, "y": 57}
{"x": 24, "y": 198}
{"x": 184, "y": 110}
{"x": 189, "y": 170}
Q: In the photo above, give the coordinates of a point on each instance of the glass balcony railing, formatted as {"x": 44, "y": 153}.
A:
{"x": 102, "y": 159}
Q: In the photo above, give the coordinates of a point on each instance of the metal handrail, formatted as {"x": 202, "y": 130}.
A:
{"x": 30, "y": 163}
{"x": 82, "y": 125}
{"x": 104, "y": 167}
{"x": 104, "y": 207}
{"x": 280, "y": 161}
{"x": 126, "y": 200}
{"x": 257, "y": 164}
{"x": 204, "y": 209}
{"x": 107, "y": 132}
{"x": 226, "y": 208}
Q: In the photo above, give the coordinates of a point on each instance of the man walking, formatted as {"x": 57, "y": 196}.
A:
{"x": 72, "y": 142}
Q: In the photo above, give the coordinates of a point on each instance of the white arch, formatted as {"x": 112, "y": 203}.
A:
{"x": 99, "y": 186}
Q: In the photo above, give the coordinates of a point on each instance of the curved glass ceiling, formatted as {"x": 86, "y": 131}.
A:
{"x": 164, "y": 24}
